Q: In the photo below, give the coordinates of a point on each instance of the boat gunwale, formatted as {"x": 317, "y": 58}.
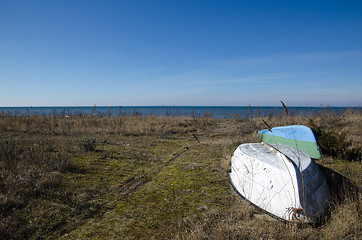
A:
{"x": 265, "y": 211}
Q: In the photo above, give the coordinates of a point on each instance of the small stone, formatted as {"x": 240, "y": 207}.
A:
{"x": 203, "y": 208}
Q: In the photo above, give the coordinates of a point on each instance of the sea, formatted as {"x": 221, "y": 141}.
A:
{"x": 188, "y": 111}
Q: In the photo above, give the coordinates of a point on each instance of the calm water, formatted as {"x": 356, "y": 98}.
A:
{"x": 218, "y": 112}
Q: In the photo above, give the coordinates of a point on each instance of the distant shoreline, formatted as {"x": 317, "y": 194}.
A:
{"x": 179, "y": 106}
{"x": 186, "y": 111}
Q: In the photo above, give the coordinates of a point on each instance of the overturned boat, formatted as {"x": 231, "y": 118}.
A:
{"x": 281, "y": 180}
{"x": 296, "y": 136}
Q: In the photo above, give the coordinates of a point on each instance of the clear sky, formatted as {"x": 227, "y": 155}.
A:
{"x": 186, "y": 53}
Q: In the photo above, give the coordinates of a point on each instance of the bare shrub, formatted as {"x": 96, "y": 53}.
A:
{"x": 89, "y": 144}
{"x": 335, "y": 144}
{"x": 28, "y": 170}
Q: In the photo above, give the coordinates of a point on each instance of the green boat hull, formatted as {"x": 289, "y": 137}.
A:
{"x": 296, "y": 136}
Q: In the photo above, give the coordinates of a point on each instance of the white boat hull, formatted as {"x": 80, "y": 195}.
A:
{"x": 281, "y": 180}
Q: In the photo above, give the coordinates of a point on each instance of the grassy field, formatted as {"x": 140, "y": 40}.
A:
{"x": 146, "y": 177}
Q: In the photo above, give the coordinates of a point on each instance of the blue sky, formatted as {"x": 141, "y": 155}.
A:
{"x": 186, "y": 53}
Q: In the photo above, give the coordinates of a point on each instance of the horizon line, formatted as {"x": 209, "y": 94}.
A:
{"x": 118, "y": 106}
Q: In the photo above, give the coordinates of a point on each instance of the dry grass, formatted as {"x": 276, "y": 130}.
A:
{"x": 134, "y": 177}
